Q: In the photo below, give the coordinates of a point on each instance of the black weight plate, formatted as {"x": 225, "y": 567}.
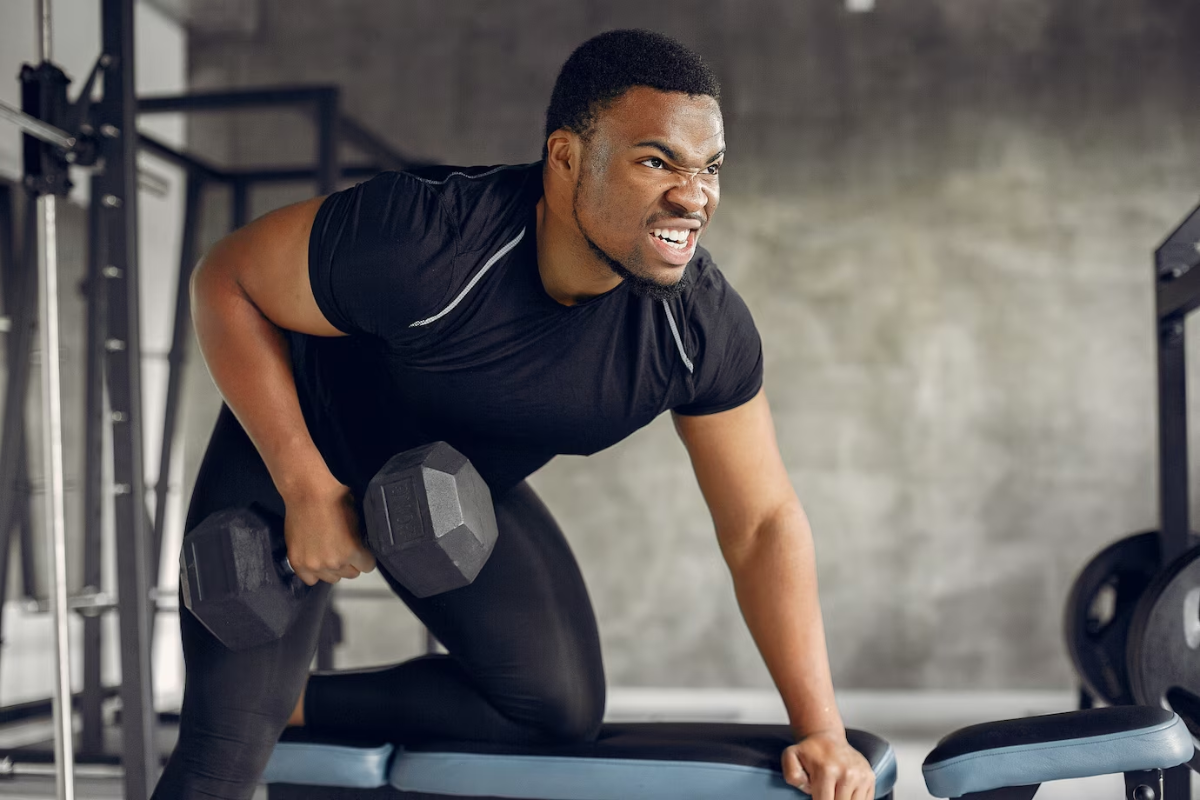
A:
{"x": 1164, "y": 639}
{"x": 1100, "y": 608}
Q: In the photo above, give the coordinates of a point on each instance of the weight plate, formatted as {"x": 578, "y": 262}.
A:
{"x": 1164, "y": 639}
{"x": 1100, "y": 608}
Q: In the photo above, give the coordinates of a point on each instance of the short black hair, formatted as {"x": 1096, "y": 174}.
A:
{"x": 606, "y": 66}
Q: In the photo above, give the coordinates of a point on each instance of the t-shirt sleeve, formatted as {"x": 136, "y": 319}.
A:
{"x": 729, "y": 360}
{"x": 379, "y": 255}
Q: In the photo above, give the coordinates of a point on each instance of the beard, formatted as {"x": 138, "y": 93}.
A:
{"x": 639, "y": 284}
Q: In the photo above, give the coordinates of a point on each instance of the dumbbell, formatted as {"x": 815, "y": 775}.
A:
{"x": 429, "y": 522}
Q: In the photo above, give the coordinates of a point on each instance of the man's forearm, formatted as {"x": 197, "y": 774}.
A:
{"x": 774, "y": 575}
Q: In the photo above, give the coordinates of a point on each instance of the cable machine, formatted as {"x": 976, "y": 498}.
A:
{"x": 101, "y": 134}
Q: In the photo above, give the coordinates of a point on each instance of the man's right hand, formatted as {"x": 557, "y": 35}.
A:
{"x": 323, "y": 535}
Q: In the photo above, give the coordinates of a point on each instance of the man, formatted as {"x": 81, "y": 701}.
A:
{"x": 517, "y": 313}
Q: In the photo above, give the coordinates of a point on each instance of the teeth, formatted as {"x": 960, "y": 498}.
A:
{"x": 676, "y": 238}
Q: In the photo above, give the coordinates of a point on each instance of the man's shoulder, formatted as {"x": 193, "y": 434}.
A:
{"x": 482, "y": 201}
{"x": 469, "y": 186}
{"x": 454, "y": 176}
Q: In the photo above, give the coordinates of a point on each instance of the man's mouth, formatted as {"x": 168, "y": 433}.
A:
{"x": 675, "y": 244}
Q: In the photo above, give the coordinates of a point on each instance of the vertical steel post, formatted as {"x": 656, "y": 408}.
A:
{"x": 21, "y": 304}
{"x": 118, "y": 202}
{"x": 92, "y": 738}
{"x": 1177, "y": 783}
{"x": 18, "y": 269}
{"x": 328, "y": 112}
{"x": 23, "y": 518}
{"x": 241, "y": 202}
{"x": 52, "y": 466}
{"x": 176, "y": 358}
{"x": 54, "y": 494}
{"x": 8, "y": 274}
{"x": 1172, "y": 438}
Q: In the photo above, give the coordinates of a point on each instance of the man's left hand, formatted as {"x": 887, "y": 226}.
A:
{"x": 825, "y": 766}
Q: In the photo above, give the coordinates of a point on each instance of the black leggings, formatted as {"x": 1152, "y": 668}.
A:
{"x": 523, "y": 665}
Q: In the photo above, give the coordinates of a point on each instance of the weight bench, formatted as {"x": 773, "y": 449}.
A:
{"x": 660, "y": 760}
{"x": 1009, "y": 760}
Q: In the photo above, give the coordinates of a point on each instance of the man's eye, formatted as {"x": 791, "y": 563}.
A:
{"x": 654, "y": 163}
{"x": 712, "y": 169}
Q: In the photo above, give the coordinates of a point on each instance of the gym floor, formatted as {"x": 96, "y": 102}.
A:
{"x": 912, "y": 721}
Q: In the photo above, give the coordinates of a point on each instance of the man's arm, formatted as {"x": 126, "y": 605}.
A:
{"x": 250, "y": 286}
{"x": 767, "y": 543}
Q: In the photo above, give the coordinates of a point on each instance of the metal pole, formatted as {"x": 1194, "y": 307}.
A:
{"x": 21, "y": 304}
{"x": 1172, "y": 437}
{"x": 24, "y": 521}
{"x": 64, "y": 745}
{"x": 241, "y": 203}
{"x": 327, "y": 141}
{"x": 122, "y": 349}
{"x": 176, "y": 358}
{"x": 90, "y": 707}
{"x": 45, "y": 47}
{"x": 64, "y": 755}
{"x": 8, "y": 272}
{"x": 35, "y": 127}
{"x": 18, "y": 274}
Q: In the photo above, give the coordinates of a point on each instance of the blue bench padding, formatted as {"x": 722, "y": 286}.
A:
{"x": 558, "y": 778}
{"x": 666, "y": 761}
{"x": 1159, "y": 741}
{"x": 327, "y": 764}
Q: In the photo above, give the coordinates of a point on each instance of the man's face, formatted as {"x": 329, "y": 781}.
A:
{"x": 648, "y": 185}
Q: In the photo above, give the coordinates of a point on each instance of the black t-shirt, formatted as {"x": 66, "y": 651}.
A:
{"x": 453, "y": 337}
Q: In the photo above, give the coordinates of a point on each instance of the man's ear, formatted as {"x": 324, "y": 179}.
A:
{"x": 562, "y": 154}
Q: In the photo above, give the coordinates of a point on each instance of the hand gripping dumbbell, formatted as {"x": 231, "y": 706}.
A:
{"x": 429, "y": 522}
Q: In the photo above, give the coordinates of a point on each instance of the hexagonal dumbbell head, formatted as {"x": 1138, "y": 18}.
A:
{"x": 429, "y": 519}
{"x": 232, "y": 578}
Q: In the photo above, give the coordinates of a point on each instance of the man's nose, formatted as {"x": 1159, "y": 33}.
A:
{"x": 688, "y": 193}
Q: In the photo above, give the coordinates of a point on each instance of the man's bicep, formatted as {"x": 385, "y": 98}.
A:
{"x": 737, "y": 463}
{"x": 268, "y": 261}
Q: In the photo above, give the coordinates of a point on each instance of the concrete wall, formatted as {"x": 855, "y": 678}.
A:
{"x": 941, "y": 214}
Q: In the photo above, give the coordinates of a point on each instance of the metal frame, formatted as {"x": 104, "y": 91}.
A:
{"x": 91, "y": 714}
{"x": 1177, "y": 282}
{"x": 113, "y": 362}
{"x": 1177, "y": 279}
{"x": 117, "y": 198}
{"x": 19, "y": 267}
{"x": 324, "y": 105}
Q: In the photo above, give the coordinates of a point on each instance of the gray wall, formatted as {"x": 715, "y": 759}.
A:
{"x": 941, "y": 214}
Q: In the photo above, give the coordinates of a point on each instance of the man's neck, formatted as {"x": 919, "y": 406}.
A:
{"x": 571, "y": 273}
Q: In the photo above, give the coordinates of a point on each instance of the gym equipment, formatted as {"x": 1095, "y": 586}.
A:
{"x": 1006, "y": 760}
{"x": 429, "y": 521}
{"x": 1164, "y": 636}
{"x": 1176, "y": 296}
{"x": 1009, "y": 760}
{"x": 660, "y": 760}
{"x": 234, "y": 579}
{"x": 98, "y": 129}
{"x": 429, "y": 518}
{"x": 1099, "y": 609}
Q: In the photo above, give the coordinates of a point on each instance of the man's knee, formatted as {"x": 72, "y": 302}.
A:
{"x": 571, "y": 720}
{"x": 563, "y": 711}
{"x": 573, "y": 714}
